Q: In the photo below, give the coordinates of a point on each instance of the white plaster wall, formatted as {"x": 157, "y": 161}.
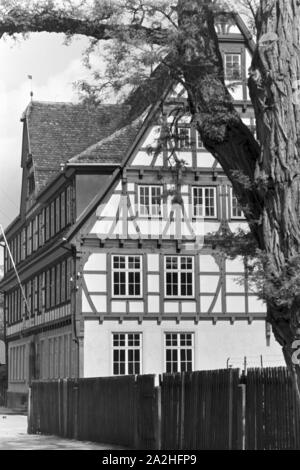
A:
{"x": 214, "y": 344}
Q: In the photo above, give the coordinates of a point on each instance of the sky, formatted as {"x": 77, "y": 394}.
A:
{"x": 54, "y": 68}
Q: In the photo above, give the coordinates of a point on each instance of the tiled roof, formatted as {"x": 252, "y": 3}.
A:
{"x": 59, "y": 131}
{"x": 112, "y": 149}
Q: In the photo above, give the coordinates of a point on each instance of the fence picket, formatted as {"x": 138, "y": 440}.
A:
{"x": 198, "y": 410}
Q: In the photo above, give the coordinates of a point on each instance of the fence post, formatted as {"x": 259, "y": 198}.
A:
{"x": 182, "y": 417}
{"x": 135, "y": 414}
{"x": 241, "y": 416}
{"x": 158, "y": 417}
{"x": 76, "y": 408}
{"x": 230, "y": 410}
{"x": 65, "y": 407}
{"x": 59, "y": 407}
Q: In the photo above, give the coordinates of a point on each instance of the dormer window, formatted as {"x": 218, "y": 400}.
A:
{"x": 29, "y": 160}
{"x": 31, "y": 184}
{"x": 233, "y": 66}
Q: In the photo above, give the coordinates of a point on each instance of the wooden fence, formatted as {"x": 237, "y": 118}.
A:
{"x": 3, "y": 393}
{"x": 199, "y": 410}
{"x": 113, "y": 410}
{"x": 3, "y": 385}
{"x": 272, "y": 413}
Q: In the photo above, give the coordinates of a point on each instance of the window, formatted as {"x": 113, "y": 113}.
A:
{"x": 69, "y": 205}
{"x": 41, "y": 293}
{"x": 36, "y": 295}
{"x": 179, "y": 352}
{"x": 199, "y": 142}
{"x": 31, "y": 184}
{"x": 68, "y": 278}
{"x": 42, "y": 228}
{"x": 63, "y": 281}
{"x": 29, "y": 239}
{"x": 23, "y": 244}
{"x": 57, "y": 213}
{"x": 184, "y": 137}
{"x": 127, "y": 276}
{"x": 236, "y": 211}
{"x": 204, "y": 202}
{"x": 29, "y": 298}
{"x": 150, "y": 200}
{"x": 58, "y": 284}
{"x": 47, "y": 287}
{"x": 47, "y": 223}
{"x": 179, "y": 276}
{"x": 17, "y": 363}
{"x": 35, "y": 234}
{"x": 52, "y": 287}
{"x": 126, "y": 353}
{"x": 233, "y": 66}
{"x": 52, "y": 219}
{"x": 63, "y": 209}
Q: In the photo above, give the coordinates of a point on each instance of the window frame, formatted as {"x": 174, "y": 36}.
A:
{"x": 151, "y": 214}
{"x": 232, "y": 54}
{"x": 203, "y": 188}
{"x": 198, "y": 139}
{"x": 179, "y": 271}
{"x": 126, "y": 348}
{"x": 30, "y": 185}
{"x": 178, "y": 348}
{"x": 232, "y": 216}
{"x": 113, "y": 270}
{"x": 181, "y": 143}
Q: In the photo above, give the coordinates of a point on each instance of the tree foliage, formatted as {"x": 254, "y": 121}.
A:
{"x": 177, "y": 39}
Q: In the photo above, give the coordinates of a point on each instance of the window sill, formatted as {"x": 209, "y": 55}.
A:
{"x": 126, "y": 297}
{"x": 180, "y": 297}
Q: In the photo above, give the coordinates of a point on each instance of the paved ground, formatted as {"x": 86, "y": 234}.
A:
{"x": 13, "y": 436}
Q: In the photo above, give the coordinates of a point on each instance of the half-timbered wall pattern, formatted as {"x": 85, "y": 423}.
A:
{"x": 206, "y": 286}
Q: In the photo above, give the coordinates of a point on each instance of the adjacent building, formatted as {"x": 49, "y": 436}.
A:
{"x": 110, "y": 242}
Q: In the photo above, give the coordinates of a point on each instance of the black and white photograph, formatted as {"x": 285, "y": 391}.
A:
{"x": 149, "y": 227}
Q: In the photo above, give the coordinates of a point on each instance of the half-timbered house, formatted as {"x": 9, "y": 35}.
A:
{"x": 110, "y": 242}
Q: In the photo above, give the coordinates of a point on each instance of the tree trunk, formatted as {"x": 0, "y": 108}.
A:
{"x": 274, "y": 86}
{"x": 272, "y": 165}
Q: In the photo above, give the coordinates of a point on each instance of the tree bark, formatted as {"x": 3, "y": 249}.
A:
{"x": 274, "y": 86}
{"x": 272, "y": 165}
{"x": 47, "y": 18}
{"x": 221, "y": 128}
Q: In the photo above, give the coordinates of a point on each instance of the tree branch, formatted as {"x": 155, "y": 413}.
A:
{"x": 45, "y": 19}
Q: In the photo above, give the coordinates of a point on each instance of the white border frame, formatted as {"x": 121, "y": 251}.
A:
{"x": 126, "y": 296}
{"x": 178, "y": 347}
{"x": 212, "y": 217}
{"x": 126, "y": 333}
{"x": 179, "y": 296}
